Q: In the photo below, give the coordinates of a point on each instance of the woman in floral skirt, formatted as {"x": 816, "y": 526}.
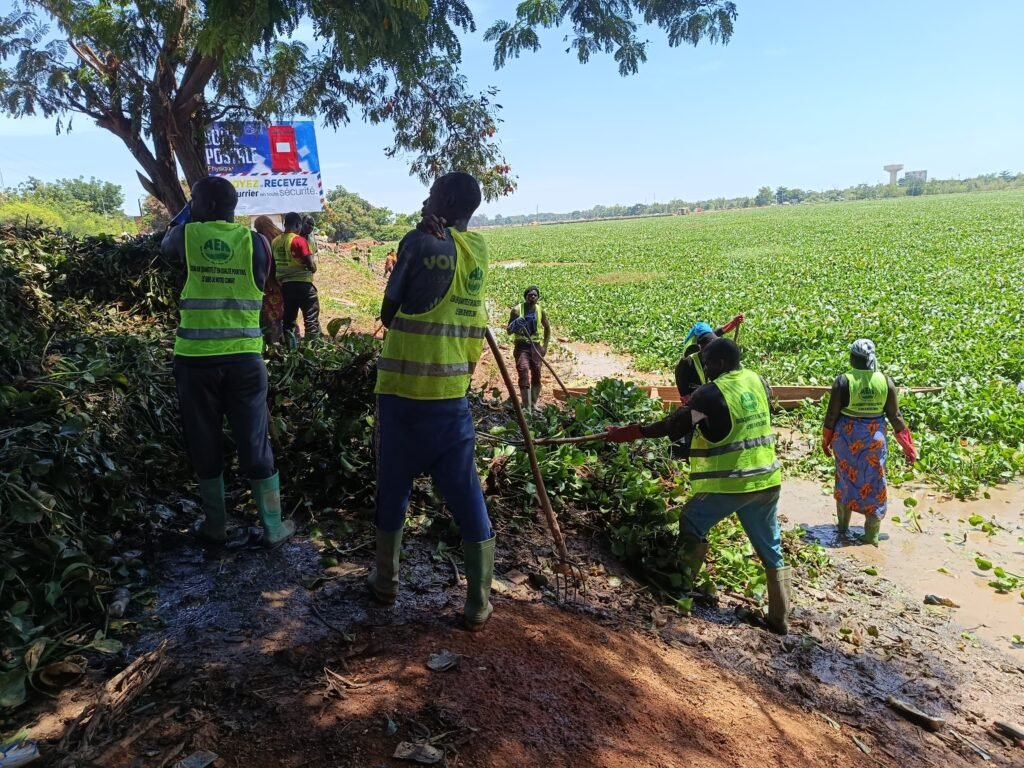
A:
{"x": 854, "y": 430}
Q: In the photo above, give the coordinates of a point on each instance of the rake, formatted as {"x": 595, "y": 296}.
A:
{"x": 566, "y": 570}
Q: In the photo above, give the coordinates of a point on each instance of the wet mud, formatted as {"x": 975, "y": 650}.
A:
{"x": 277, "y": 660}
{"x": 934, "y": 556}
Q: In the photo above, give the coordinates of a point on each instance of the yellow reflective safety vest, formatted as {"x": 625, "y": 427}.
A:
{"x": 699, "y": 367}
{"x": 220, "y": 303}
{"x": 428, "y": 356}
{"x": 538, "y": 333}
{"x": 289, "y": 269}
{"x": 868, "y": 392}
{"x": 745, "y": 460}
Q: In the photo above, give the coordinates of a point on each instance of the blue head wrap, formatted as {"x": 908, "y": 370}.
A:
{"x": 698, "y": 330}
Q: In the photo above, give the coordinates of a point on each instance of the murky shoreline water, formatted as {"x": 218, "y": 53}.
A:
{"x": 913, "y": 559}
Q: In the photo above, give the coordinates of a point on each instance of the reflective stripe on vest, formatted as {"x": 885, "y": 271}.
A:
{"x": 289, "y": 269}
{"x": 537, "y": 335}
{"x": 409, "y": 325}
{"x": 220, "y": 303}
{"x": 744, "y": 461}
{"x": 868, "y": 392}
{"x": 428, "y": 356}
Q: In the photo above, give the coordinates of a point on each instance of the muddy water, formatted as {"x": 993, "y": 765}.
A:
{"x": 912, "y": 559}
{"x": 593, "y": 362}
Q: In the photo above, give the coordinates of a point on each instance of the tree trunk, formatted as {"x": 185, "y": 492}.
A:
{"x": 190, "y": 147}
{"x": 161, "y": 172}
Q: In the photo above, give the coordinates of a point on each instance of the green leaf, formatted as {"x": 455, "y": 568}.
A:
{"x": 871, "y": 571}
{"x": 107, "y": 645}
{"x": 53, "y": 592}
{"x": 25, "y": 512}
{"x": 34, "y": 654}
{"x": 983, "y": 564}
{"x": 12, "y": 688}
{"x": 336, "y": 324}
{"x": 910, "y": 501}
{"x": 976, "y": 520}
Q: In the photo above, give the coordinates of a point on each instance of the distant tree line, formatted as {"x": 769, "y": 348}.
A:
{"x": 80, "y": 206}
{"x": 767, "y": 196}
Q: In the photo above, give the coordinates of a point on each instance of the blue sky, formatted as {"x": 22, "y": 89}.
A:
{"x": 808, "y": 94}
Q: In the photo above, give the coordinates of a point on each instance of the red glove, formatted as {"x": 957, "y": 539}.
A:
{"x": 906, "y": 441}
{"x": 733, "y": 324}
{"x": 623, "y": 434}
{"x": 827, "y": 436}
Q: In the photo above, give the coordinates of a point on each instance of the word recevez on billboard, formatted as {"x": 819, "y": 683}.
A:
{"x": 274, "y": 168}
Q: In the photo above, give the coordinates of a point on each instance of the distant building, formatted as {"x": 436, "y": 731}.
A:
{"x": 921, "y": 175}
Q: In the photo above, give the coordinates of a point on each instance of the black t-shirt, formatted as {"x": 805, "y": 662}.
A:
{"x": 424, "y": 272}
{"x": 707, "y": 407}
{"x": 687, "y": 380}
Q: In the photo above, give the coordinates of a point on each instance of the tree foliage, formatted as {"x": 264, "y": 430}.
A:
{"x": 79, "y": 206}
{"x": 611, "y": 27}
{"x": 347, "y": 216}
{"x": 157, "y": 73}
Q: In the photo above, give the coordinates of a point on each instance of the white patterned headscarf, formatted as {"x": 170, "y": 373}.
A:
{"x": 862, "y": 355}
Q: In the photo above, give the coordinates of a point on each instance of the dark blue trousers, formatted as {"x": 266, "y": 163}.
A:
{"x": 435, "y": 437}
{"x": 208, "y": 393}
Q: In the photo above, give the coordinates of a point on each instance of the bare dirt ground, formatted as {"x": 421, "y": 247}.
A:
{"x": 276, "y": 660}
{"x": 280, "y": 659}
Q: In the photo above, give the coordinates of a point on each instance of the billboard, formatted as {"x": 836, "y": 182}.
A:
{"x": 920, "y": 175}
{"x": 274, "y": 168}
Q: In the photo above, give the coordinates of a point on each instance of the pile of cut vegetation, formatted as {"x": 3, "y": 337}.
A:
{"x": 90, "y": 448}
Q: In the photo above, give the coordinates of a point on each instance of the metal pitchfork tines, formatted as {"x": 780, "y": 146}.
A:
{"x": 568, "y": 573}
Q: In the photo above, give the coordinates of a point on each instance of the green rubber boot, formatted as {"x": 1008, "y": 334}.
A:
{"x": 267, "y": 493}
{"x": 871, "y": 526}
{"x": 479, "y": 563}
{"x": 527, "y": 396}
{"x": 383, "y": 579}
{"x": 694, "y": 553}
{"x": 214, "y": 527}
{"x": 780, "y": 597}
{"x": 843, "y": 519}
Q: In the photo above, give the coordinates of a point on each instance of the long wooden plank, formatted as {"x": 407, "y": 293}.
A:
{"x": 787, "y": 397}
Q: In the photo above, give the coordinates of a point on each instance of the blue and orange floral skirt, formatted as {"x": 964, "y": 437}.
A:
{"x": 860, "y": 450}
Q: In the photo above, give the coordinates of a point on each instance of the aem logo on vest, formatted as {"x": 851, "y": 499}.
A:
{"x": 748, "y": 402}
{"x": 216, "y": 250}
{"x": 476, "y": 281}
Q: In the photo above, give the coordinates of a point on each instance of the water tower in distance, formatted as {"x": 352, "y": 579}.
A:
{"x": 893, "y": 170}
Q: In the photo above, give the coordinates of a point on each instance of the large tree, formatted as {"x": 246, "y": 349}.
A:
{"x": 157, "y": 73}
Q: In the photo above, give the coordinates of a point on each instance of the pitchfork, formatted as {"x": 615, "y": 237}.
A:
{"x": 566, "y": 569}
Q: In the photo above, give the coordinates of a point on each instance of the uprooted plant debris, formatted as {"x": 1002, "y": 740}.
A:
{"x": 95, "y": 494}
{"x": 91, "y": 447}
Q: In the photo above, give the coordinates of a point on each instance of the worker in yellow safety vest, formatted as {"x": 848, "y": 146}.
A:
{"x": 435, "y": 314}
{"x": 862, "y": 400}
{"x": 733, "y": 468}
{"x": 527, "y": 323}
{"x": 218, "y": 361}
{"x": 296, "y": 265}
